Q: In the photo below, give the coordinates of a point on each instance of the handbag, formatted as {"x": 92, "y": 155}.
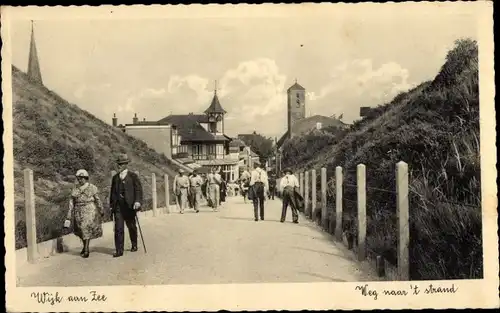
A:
{"x": 250, "y": 193}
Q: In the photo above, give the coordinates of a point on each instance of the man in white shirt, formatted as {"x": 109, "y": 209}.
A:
{"x": 288, "y": 186}
{"x": 214, "y": 181}
{"x": 181, "y": 189}
{"x": 260, "y": 185}
{"x": 195, "y": 190}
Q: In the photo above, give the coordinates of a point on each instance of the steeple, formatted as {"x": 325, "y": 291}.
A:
{"x": 215, "y": 106}
{"x": 34, "y": 72}
{"x": 215, "y": 114}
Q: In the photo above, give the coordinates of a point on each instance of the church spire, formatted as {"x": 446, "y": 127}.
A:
{"x": 34, "y": 72}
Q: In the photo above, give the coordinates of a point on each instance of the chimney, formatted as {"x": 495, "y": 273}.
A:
{"x": 115, "y": 120}
{"x": 135, "y": 119}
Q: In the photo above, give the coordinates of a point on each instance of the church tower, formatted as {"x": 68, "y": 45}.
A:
{"x": 215, "y": 114}
{"x": 296, "y": 96}
{"x": 34, "y": 72}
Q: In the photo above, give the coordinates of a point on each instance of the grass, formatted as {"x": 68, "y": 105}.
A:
{"x": 55, "y": 138}
{"x": 435, "y": 129}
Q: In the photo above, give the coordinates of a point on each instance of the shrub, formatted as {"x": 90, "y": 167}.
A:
{"x": 435, "y": 129}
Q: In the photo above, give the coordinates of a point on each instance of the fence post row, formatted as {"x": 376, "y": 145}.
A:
{"x": 338, "y": 203}
{"x": 361, "y": 186}
{"x": 402, "y": 208}
{"x": 167, "y": 195}
{"x": 306, "y": 192}
{"x": 324, "y": 210}
{"x": 153, "y": 194}
{"x": 313, "y": 194}
{"x": 29, "y": 204}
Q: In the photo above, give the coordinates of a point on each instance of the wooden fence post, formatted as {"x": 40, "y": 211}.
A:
{"x": 324, "y": 210}
{"x": 153, "y": 194}
{"x": 313, "y": 194}
{"x": 338, "y": 203}
{"x": 403, "y": 215}
{"x": 29, "y": 206}
{"x": 167, "y": 195}
{"x": 361, "y": 184}
{"x": 306, "y": 192}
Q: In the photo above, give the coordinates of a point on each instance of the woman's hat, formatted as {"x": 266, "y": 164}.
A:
{"x": 82, "y": 173}
{"x": 122, "y": 159}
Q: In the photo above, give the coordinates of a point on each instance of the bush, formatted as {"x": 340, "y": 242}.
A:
{"x": 435, "y": 129}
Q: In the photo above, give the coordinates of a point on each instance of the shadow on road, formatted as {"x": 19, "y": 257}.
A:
{"x": 324, "y": 252}
{"x": 248, "y": 219}
{"x": 323, "y": 277}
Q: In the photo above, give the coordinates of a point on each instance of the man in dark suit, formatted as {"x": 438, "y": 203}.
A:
{"x": 125, "y": 201}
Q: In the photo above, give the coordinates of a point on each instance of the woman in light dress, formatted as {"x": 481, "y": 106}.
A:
{"x": 85, "y": 211}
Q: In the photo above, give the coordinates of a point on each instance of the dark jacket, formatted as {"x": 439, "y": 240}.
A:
{"x": 299, "y": 200}
{"x": 133, "y": 190}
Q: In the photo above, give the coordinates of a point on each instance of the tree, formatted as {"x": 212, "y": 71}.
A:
{"x": 261, "y": 145}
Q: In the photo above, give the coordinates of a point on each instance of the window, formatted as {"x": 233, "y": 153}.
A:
{"x": 298, "y": 103}
{"x": 196, "y": 149}
{"x": 211, "y": 149}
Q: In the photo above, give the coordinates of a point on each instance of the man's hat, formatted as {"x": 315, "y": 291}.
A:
{"x": 181, "y": 170}
{"x": 82, "y": 173}
{"x": 122, "y": 159}
{"x": 287, "y": 170}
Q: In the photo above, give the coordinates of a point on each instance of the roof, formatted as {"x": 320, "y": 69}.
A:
{"x": 190, "y": 129}
{"x": 296, "y": 86}
{"x": 154, "y": 123}
{"x": 282, "y": 139}
{"x": 215, "y": 106}
{"x": 306, "y": 124}
{"x": 217, "y": 162}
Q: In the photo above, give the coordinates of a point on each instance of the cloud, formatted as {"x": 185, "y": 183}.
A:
{"x": 253, "y": 93}
{"x": 358, "y": 83}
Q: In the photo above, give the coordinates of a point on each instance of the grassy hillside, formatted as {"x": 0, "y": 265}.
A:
{"x": 55, "y": 138}
{"x": 435, "y": 129}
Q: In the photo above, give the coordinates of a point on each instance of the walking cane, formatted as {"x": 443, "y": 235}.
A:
{"x": 140, "y": 232}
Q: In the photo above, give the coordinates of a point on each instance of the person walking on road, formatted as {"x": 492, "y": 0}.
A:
{"x": 85, "y": 211}
{"x": 260, "y": 185}
{"x": 195, "y": 182}
{"x": 272, "y": 187}
{"x": 214, "y": 181}
{"x": 223, "y": 191}
{"x": 181, "y": 190}
{"x": 288, "y": 188}
{"x": 125, "y": 200}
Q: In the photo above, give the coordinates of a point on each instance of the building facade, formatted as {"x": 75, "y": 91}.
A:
{"x": 196, "y": 140}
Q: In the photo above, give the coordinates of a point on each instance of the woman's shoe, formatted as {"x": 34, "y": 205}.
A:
{"x": 85, "y": 250}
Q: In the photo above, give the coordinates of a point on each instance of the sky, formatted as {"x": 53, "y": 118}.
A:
{"x": 157, "y": 67}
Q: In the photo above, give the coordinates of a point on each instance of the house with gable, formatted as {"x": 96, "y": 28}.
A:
{"x": 195, "y": 140}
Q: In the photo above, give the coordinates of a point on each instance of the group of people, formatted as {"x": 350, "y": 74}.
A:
{"x": 190, "y": 190}
{"x": 256, "y": 186}
{"x": 86, "y": 212}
